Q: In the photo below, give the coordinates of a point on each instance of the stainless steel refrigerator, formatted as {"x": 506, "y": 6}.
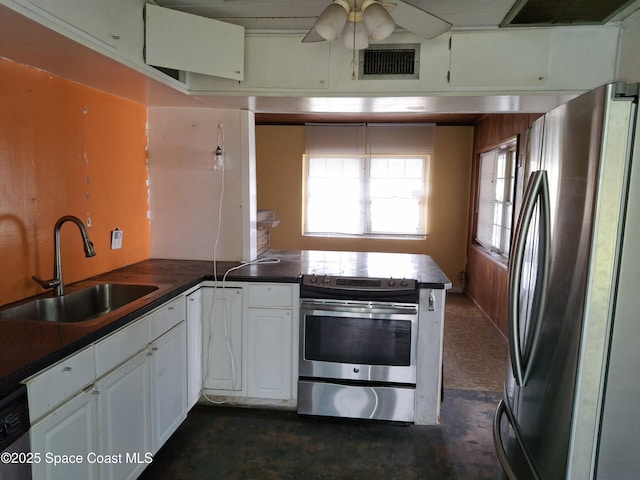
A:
{"x": 571, "y": 406}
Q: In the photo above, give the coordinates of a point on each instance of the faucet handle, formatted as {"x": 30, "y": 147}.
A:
{"x": 46, "y": 284}
{"x": 89, "y": 251}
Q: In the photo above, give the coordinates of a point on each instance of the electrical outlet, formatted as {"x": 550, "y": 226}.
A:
{"x": 116, "y": 239}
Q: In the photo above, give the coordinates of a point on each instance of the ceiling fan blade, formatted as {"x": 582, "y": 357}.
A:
{"x": 417, "y": 21}
{"x": 312, "y": 37}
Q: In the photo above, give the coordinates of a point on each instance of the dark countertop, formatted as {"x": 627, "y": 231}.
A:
{"x": 358, "y": 264}
{"x": 27, "y": 347}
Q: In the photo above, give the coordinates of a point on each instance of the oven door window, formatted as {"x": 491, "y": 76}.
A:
{"x": 362, "y": 341}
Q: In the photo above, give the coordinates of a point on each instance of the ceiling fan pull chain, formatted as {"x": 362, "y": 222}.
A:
{"x": 353, "y": 58}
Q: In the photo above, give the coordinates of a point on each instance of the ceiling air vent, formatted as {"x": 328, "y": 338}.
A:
{"x": 526, "y": 13}
{"x": 392, "y": 61}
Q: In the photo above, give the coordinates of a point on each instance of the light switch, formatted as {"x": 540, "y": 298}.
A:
{"x": 116, "y": 239}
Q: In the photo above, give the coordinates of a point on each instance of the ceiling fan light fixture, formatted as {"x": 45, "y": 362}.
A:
{"x": 332, "y": 20}
{"x": 356, "y": 36}
{"x": 377, "y": 20}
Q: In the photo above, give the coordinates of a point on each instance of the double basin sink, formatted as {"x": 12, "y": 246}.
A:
{"x": 80, "y": 306}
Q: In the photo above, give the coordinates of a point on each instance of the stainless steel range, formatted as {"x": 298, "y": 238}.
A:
{"x": 358, "y": 343}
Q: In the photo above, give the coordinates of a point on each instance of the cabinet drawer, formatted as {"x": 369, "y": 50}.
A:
{"x": 272, "y": 295}
{"x": 167, "y": 316}
{"x": 122, "y": 345}
{"x": 57, "y": 384}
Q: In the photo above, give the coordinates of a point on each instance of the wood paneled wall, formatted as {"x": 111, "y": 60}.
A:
{"x": 486, "y": 278}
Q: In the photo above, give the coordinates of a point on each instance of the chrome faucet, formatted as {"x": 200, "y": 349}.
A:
{"x": 57, "y": 282}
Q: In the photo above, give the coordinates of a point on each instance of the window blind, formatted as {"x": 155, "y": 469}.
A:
{"x": 400, "y": 140}
{"x": 367, "y": 179}
{"x": 336, "y": 140}
{"x": 373, "y": 139}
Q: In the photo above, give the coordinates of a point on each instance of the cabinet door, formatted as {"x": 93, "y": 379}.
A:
{"x": 70, "y": 431}
{"x": 222, "y": 338}
{"x": 124, "y": 420}
{"x": 270, "y": 353}
{"x": 168, "y": 370}
{"x": 178, "y": 40}
{"x": 194, "y": 347}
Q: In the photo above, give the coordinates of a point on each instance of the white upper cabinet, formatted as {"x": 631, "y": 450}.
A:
{"x": 218, "y": 58}
{"x": 114, "y": 26}
{"x": 504, "y": 58}
{"x": 562, "y": 58}
{"x": 182, "y": 41}
{"x": 96, "y": 18}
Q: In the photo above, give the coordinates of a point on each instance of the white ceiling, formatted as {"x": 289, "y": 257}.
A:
{"x": 299, "y": 15}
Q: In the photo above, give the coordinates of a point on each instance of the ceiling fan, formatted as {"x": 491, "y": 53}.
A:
{"x": 361, "y": 21}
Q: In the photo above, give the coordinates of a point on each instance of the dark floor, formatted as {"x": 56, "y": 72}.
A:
{"x": 236, "y": 443}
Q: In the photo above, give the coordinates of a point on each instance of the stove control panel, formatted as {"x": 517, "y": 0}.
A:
{"x": 358, "y": 283}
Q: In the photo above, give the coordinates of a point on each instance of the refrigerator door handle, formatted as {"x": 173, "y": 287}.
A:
{"x": 501, "y": 452}
{"x": 497, "y": 442}
{"x": 537, "y": 192}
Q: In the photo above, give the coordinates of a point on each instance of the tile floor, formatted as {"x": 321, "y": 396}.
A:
{"x": 235, "y": 443}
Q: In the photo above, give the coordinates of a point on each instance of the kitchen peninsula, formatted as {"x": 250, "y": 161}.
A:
{"x": 27, "y": 347}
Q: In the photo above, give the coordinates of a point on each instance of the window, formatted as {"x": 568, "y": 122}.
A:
{"x": 367, "y": 180}
{"x": 495, "y": 198}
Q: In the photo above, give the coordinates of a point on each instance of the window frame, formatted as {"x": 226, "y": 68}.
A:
{"x": 365, "y": 179}
{"x": 511, "y": 148}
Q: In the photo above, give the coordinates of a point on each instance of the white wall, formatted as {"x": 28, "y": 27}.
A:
{"x": 186, "y": 192}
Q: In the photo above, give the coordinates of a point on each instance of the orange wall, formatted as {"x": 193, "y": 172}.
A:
{"x": 279, "y": 151}
{"x": 66, "y": 149}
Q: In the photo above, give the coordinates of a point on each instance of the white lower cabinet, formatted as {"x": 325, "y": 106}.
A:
{"x": 272, "y": 356}
{"x": 222, "y": 339}
{"x": 269, "y": 356}
{"x": 194, "y": 347}
{"x": 63, "y": 440}
{"x": 250, "y": 343}
{"x": 109, "y": 427}
{"x": 168, "y": 364}
{"x": 108, "y": 408}
{"x": 124, "y": 420}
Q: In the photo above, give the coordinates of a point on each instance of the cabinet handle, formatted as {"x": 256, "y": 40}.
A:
{"x": 154, "y": 349}
{"x": 95, "y": 392}
{"x": 66, "y": 369}
{"x": 432, "y": 301}
{"x": 170, "y": 308}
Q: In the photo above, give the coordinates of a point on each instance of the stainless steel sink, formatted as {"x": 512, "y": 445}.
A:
{"x": 80, "y": 306}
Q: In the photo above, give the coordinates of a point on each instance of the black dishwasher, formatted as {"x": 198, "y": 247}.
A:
{"x": 15, "y": 459}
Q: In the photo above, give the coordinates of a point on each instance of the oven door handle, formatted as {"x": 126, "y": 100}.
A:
{"x": 342, "y": 306}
